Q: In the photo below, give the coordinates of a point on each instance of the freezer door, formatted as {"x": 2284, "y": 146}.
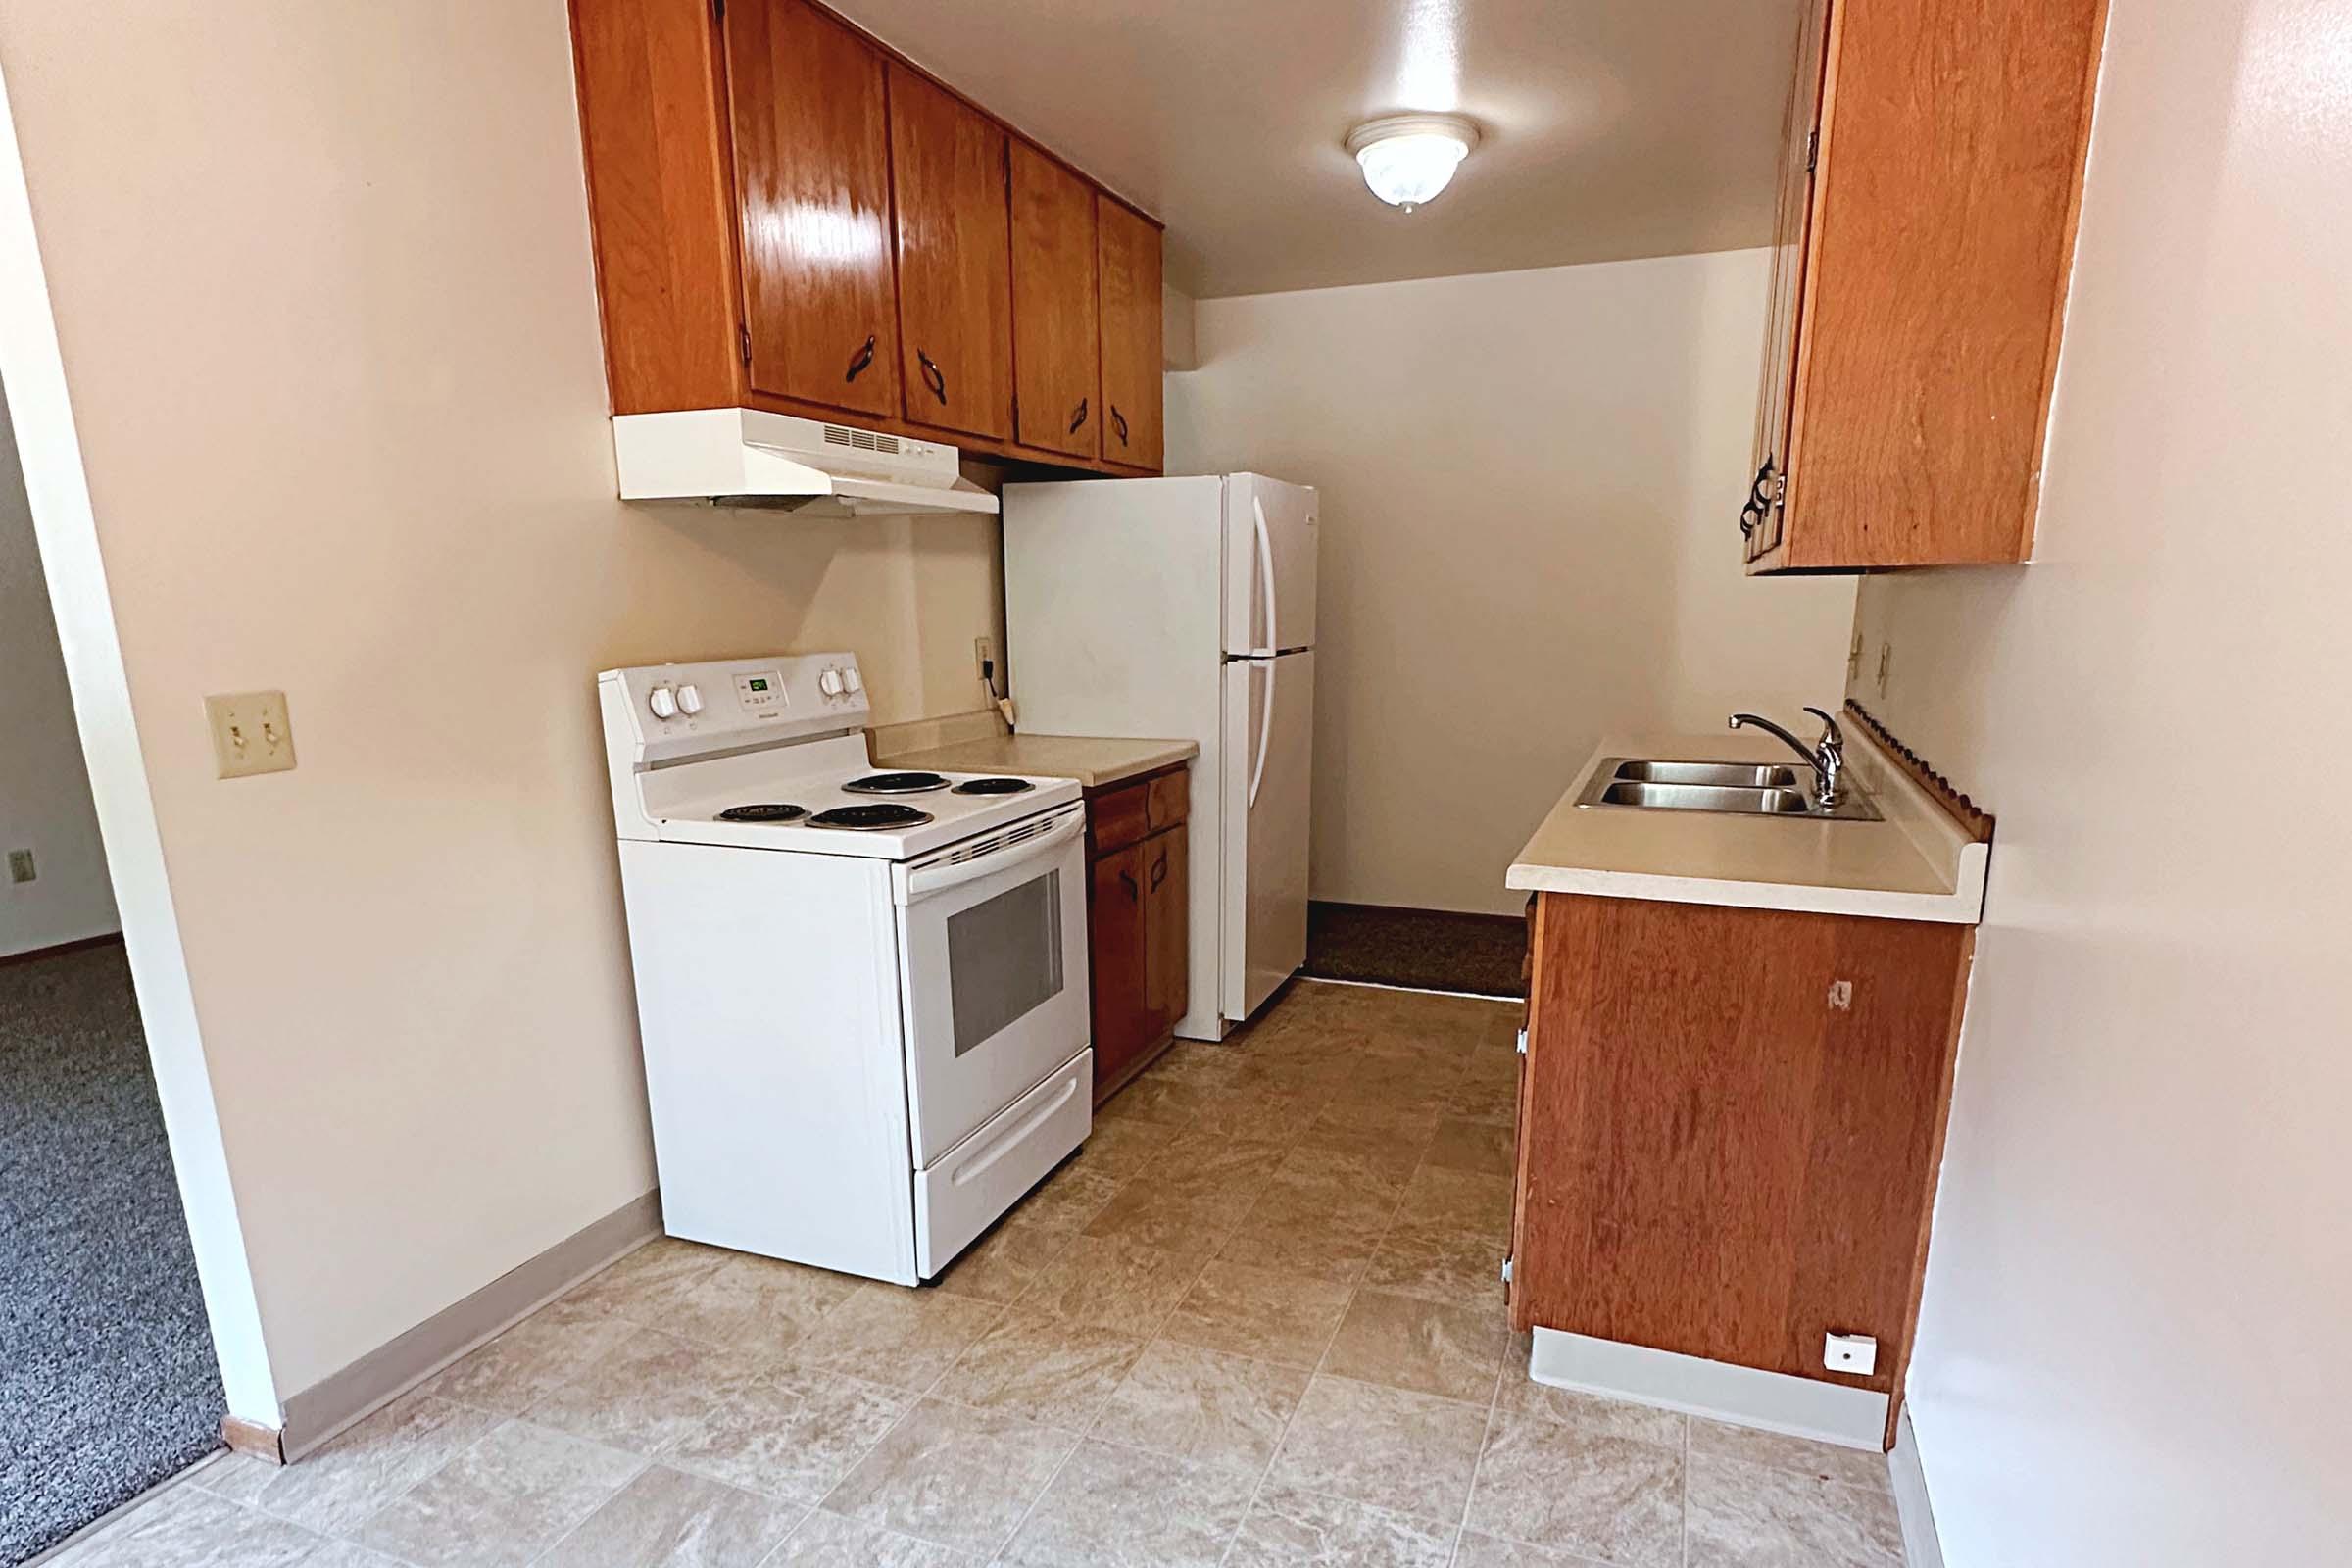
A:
{"x": 1269, "y": 727}
{"x": 1269, "y": 565}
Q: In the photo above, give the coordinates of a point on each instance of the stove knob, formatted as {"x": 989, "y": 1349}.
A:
{"x": 690, "y": 700}
{"x": 851, "y": 680}
{"x": 830, "y": 683}
{"x": 664, "y": 702}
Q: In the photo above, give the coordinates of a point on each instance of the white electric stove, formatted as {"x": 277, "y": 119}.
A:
{"x": 863, "y": 992}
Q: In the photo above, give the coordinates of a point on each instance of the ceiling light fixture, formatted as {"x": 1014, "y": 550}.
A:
{"x": 1407, "y": 159}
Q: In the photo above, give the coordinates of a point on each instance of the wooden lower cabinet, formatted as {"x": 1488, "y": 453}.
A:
{"x": 1167, "y": 931}
{"x": 1138, "y": 923}
{"x": 1731, "y": 1122}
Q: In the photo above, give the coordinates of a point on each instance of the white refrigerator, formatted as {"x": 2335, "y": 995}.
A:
{"x": 1185, "y": 609}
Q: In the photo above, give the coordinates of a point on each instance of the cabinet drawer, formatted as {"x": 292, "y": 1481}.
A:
{"x": 1169, "y": 799}
{"x": 960, "y": 1194}
{"x": 1116, "y": 819}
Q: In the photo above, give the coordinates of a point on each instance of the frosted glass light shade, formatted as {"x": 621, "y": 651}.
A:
{"x": 1407, "y": 159}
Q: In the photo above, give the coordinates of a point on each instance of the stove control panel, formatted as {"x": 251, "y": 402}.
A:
{"x": 675, "y": 710}
{"x": 760, "y": 693}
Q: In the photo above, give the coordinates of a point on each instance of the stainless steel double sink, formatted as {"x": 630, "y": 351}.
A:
{"x": 1739, "y": 789}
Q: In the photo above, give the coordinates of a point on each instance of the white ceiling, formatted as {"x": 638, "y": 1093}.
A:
{"x": 1614, "y": 128}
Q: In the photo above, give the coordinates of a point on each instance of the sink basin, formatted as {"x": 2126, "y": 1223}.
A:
{"x": 1739, "y": 789}
{"x": 1707, "y": 798}
{"x": 1737, "y": 775}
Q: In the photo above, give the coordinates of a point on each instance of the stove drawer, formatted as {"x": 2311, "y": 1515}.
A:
{"x": 966, "y": 1189}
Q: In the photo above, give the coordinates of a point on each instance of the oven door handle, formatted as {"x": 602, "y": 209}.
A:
{"x": 924, "y": 880}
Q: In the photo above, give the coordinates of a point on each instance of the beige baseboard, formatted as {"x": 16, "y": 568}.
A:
{"x": 253, "y": 1438}
{"x": 341, "y": 1398}
{"x": 1776, "y": 1402}
{"x": 1922, "y": 1546}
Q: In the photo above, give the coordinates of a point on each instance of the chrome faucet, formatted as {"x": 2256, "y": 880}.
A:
{"x": 1827, "y": 760}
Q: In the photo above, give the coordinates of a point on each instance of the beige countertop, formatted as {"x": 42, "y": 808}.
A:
{"x": 1916, "y": 865}
{"x": 1093, "y": 761}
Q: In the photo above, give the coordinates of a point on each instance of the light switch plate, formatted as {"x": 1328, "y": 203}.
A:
{"x": 251, "y": 733}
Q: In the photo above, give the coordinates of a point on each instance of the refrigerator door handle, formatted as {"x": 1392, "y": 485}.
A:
{"x": 1265, "y": 579}
{"x": 1266, "y": 731}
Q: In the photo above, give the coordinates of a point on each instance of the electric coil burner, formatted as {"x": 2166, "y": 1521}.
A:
{"x": 994, "y": 786}
{"x": 870, "y": 818}
{"x": 895, "y": 784}
{"x": 764, "y": 812}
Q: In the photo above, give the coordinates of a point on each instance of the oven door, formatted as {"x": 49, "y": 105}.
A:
{"x": 995, "y": 986}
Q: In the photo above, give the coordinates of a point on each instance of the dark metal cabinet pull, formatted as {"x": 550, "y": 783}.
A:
{"x": 1751, "y": 516}
{"x": 1118, "y": 423}
{"x": 1132, "y": 892}
{"x": 861, "y": 359}
{"x": 1078, "y": 418}
{"x": 933, "y": 378}
{"x": 1159, "y": 870}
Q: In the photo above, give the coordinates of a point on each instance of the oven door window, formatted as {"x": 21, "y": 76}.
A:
{"x": 1004, "y": 959}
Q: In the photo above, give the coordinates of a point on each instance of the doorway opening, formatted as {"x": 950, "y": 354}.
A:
{"x": 108, "y": 1382}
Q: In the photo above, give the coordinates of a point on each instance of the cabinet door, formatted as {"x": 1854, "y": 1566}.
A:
{"x": 813, "y": 177}
{"x": 955, "y": 255}
{"x": 1128, "y": 248}
{"x": 1053, "y": 336}
{"x": 1761, "y": 521}
{"x": 1116, "y": 947}
{"x": 1731, "y": 1120}
{"x": 1167, "y": 929}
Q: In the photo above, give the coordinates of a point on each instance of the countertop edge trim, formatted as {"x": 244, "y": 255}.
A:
{"x": 1947, "y": 908}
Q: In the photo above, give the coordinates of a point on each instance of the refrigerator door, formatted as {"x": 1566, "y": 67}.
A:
{"x": 1270, "y": 565}
{"x": 1269, "y": 725}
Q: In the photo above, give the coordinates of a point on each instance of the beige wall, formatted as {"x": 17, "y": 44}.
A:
{"x": 44, "y": 790}
{"x": 2133, "y": 1348}
{"x": 322, "y": 279}
{"x": 1530, "y": 486}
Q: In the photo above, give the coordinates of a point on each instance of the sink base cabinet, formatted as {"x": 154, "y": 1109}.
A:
{"x": 1139, "y": 922}
{"x": 1731, "y": 1122}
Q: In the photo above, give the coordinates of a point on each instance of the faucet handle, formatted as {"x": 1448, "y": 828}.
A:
{"x": 1831, "y": 734}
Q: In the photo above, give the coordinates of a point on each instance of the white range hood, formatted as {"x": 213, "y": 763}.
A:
{"x": 811, "y": 468}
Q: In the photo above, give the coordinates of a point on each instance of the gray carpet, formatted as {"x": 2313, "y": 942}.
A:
{"x": 1422, "y": 949}
{"x": 106, "y": 1377}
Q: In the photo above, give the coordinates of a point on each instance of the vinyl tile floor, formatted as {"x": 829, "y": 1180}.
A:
{"x": 1256, "y": 1320}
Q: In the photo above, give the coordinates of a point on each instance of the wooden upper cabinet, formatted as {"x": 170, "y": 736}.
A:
{"x": 1762, "y": 514}
{"x": 789, "y": 215}
{"x": 955, "y": 255}
{"x": 812, "y": 140}
{"x": 659, "y": 208}
{"x": 1127, "y": 248}
{"x": 1930, "y": 177}
{"x": 1055, "y": 355}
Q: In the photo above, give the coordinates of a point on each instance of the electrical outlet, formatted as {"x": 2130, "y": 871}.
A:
{"x": 984, "y": 656}
{"x": 251, "y": 733}
{"x": 1854, "y": 656}
{"x": 1886, "y": 662}
{"x": 20, "y": 868}
{"x": 1854, "y": 1355}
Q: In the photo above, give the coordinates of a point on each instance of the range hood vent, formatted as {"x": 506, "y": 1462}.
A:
{"x": 809, "y": 467}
